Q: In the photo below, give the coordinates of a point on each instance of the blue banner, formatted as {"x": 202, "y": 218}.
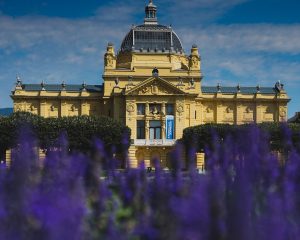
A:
{"x": 169, "y": 127}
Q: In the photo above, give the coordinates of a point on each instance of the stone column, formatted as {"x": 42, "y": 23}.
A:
{"x": 147, "y": 108}
{"x": 163, "y": 129}
{"x": 163, "y": 108}
{"x": 147, "y": 134}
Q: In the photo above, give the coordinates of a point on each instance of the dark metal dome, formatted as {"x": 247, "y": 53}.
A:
{"x": 151, "y": 38}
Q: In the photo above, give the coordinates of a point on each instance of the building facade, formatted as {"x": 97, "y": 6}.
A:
{"x": 156, "y": 89}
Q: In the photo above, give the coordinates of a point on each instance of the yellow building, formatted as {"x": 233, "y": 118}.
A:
{"x": 155, "y": 88}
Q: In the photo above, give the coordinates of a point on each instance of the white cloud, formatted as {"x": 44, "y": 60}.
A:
{"x": 194, "y": 12}
{"x": 89, "y": 50}
{"x": 236, "y": 38}
{"x": 57, "y": 49}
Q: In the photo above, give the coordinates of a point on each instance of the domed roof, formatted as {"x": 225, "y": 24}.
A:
{"x": 157, "y": 38}
{"x": 151, "y": 37}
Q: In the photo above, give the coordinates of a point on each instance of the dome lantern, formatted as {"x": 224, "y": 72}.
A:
{"x": 150, "y": 11}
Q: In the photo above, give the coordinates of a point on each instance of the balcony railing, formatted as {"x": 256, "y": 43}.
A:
{"x": 154, "y": 142}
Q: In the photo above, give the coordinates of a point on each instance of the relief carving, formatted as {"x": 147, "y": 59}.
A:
{"x": 248, "y": 114}
{"x": 130, "y": 108}
{"x": 282, "y": 113}
{"x": 155, "y": 89}
{"x": 53, "y": 110}
{"x": 109, "y": 60}
{"x": 145, "y": 90}
{"x": 33, "y": 108}
{"x": 209, "y": 110}
{"x": 209, "y": 114}
{"x": 18, "y": 107}
{"x": 74, "y": 108}
{"x": 109, "y": 57}
{"x": 180, "y": 108}
{"x": 194, "y": 62}
{"x": 229, "y": 114}
{"x": 268, "y": 114}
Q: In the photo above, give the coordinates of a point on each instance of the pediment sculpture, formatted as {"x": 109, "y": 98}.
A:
{"x": 155, "y": 87}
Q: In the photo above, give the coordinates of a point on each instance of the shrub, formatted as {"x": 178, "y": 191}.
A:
{"x": 202, "y": 136}
{"x": 81, "y": 131}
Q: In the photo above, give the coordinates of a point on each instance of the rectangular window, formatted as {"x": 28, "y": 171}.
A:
{"x": 155, "y": 108}
{"x": 140, "y": 129}
{"x": 155, "y": 130}
{"x": 140, "y": 109}
{"x": 169, "y": 109}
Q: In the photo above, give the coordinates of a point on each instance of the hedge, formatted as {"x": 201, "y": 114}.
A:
{"x": 202, "y": 136}
{"x": 81, "y": 131}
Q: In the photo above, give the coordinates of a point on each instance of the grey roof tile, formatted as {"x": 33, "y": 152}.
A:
{"x": 243, "y": 90}
{"x": 58, "y": 87}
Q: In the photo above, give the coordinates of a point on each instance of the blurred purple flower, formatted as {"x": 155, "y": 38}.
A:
{"x": 246, "y": 193}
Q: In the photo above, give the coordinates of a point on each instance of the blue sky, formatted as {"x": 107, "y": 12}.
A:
{"x": 248, "y": 42}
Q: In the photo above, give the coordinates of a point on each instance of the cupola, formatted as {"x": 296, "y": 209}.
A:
{"x": 150, "y": 11}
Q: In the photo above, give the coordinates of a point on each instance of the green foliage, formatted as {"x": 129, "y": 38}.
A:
{"x": 202, "y": 136}
{"x": 81, "y": 131}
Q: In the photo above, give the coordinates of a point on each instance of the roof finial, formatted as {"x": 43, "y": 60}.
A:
{"x": 43, "y": 85}
{"x": 84, "y": 86}
{"x": 19, "y": 81}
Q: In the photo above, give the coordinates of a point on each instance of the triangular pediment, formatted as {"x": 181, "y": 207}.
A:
{"x": 155, "y": 86}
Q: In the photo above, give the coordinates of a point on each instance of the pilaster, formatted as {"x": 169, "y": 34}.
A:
{"x": 43, "y": 106}
{"x": 219, "y": 113}
{"x": 258, "y": 111}
{"x": 179, "y": 118}
{"x": 238, "y": 114}
{"x": 83, "y": 108}
{"x": 63, "y": 108}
